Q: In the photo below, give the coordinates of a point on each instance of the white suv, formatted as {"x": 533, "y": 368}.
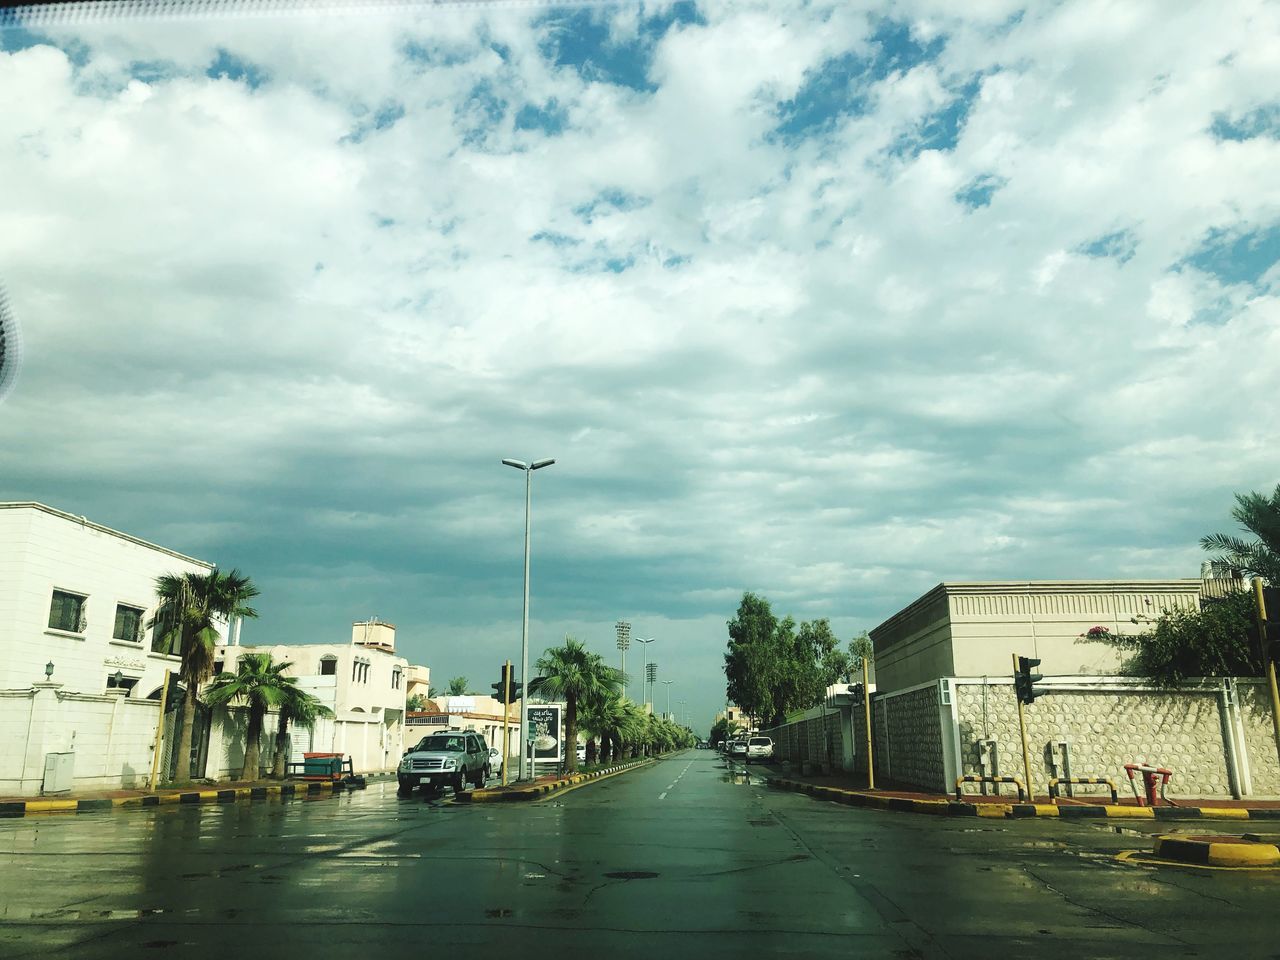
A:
{"x": 759, "y": 748}
{"x": 451, "y": 759}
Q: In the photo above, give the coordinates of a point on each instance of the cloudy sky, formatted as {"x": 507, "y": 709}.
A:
{"x": 823, "y": 300}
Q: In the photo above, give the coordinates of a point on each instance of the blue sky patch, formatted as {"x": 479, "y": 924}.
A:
{"x": 227, "y": 65}
{"x": 1119, "y": 246}
{"x": 979, "y": 191}
{"x": 550, "y": 118}
{"x": 841, "y": 87}
{"x": 1234, "y": 256}
{"x": 382, "y": 118}
{"x": 607, "y": 201}
{"x": 1262, "y": 122}
{"x": 555, "y": 239}
{"x": 941, "y": 129}
{"x": 580, "y": 39}
{"x": 480, "y": 113}
{"x": 153, "y": 71}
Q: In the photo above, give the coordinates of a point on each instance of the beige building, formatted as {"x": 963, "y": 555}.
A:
{"x": 363, "y": 682}
{"x": 972, "y": 629}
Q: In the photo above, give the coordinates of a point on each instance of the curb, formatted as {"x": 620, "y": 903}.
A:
{"x": 540, "y": 790}
{"x": 1217, "y": 851}
{"x": 284, "y": 791}
{"x": 1018, "y": 811}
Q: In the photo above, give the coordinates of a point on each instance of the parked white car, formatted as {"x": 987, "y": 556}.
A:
{"x": 759, "y": 748}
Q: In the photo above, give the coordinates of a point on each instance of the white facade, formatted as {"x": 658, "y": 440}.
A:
{"x": 80, "y": 709}
{"x": 363, "y": 682}
{"x": 43, "y": 551}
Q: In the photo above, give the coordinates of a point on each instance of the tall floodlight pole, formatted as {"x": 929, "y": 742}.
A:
{"x": 524, "y": 630}
{"x": 651, "y": 677}
{"x": 668, "y": 685}
{"x": 624, "y": 641}
{"x": 644, "y": 677}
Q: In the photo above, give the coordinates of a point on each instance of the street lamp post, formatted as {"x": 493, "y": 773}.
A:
{"x": 668, "y": 684}
{"x": 524, "y": 630}
{"x": 624, "y": 641}
{"x": 644, "y": 677}
{"x": 684, "y": 715}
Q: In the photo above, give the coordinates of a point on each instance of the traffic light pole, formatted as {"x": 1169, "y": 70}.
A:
{"x": 1022, "y": 726}
{"x": 1270, "y": 660}
{"x": 506, "y": 721}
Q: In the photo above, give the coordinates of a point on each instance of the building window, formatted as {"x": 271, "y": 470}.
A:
{"x": 219, "y": 666}
{"x": 329, "y": 666}
{"x": 360, "y": 672}
{"x": 128, "y": 624}
{"x": 166, "y": 638}
{"x": 125, "y": 683}
{"x": 395, "y": 679}
{"x": 66, "y": 612}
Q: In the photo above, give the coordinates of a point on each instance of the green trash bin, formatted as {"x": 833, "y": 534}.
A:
{"x": 321, "y": 766}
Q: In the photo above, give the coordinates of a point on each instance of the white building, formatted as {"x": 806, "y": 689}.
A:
{"x": 477, "y": 712}
{"x": 363, "y": 682}
{"x": 77, "y": 662}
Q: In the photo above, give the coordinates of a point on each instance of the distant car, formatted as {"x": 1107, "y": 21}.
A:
{"x": 495, "y": 762}
{"x": 445, "y": 759}
{"x": 737, "y": 750}
{"x": 759, "y": 748}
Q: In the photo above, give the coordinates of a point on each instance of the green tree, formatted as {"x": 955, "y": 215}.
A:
{"x": 1259, "y": 557}
{"x": 751, "y": 661}
{"x": 458, "y": 686}
{"x": 1218, "y": 640}
{"x": 301, "y": 709}
{"x": 572, "y": 673}
{"x": 416, "y": 703}
{"x": 259, "y": 683}
{"x": 191, "y": 607}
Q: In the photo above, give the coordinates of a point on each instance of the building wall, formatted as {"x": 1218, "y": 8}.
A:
{"x": 915, "y": 644}
{"x": 972, "y": 629}
{"x": 42, "y": 549}
{"x": 111, "y": 737}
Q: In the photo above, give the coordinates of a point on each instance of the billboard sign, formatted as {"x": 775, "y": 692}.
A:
{"x": 544, "y": 731}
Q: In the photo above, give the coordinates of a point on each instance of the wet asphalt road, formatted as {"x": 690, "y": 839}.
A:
{"x": 684, "y": 858}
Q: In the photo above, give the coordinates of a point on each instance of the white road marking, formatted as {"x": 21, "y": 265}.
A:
{"x": 672, "y": 785}
{"x": 662, "y": 795}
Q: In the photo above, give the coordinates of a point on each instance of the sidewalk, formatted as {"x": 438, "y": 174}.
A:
{"x": 846, "y": 788}
{"x": 89, "y": 801}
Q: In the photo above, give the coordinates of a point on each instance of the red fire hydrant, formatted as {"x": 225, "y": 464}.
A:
{"x": 1155, "y": 781}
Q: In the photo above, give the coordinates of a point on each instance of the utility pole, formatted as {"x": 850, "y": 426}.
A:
{"x": 668, "y": 685}
{"x": 1022, "y": 726}
{"x": 1267, "y": 643}
{"x": 866, "y": 712}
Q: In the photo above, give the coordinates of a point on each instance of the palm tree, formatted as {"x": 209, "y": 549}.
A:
{"x": 458, "y": 687}
{"x": 191, "y": 607}
{"x": 302, "y": 710}
{"x": 1260, "y": 515}
{"x": 573, "y": 673}
{"x": 259, "y": 683}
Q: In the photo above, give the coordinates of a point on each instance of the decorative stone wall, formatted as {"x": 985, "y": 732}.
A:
{"x": 804, "y": 740}
{"x": 908, "y": 737}
{"x": 1104, "y": 729}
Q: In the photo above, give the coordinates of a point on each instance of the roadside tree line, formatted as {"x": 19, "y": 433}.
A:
{"x": 191, "y": 606}
{"x": 774, "y": 665}
{"x": 616, "y": 728}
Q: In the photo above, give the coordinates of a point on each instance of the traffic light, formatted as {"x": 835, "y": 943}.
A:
{"x": 500, "y": 688}
{"x": 1024, "y": 680}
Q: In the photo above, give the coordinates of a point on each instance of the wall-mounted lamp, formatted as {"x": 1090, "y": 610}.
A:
{"x": 48, "y": 670}
{"x": 119, "y": 677}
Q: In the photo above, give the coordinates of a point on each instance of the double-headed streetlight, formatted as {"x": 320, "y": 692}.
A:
{"x": 644, "y": 677}
{"x": 528, "y": 469}
{"x": 668, "y": 684}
